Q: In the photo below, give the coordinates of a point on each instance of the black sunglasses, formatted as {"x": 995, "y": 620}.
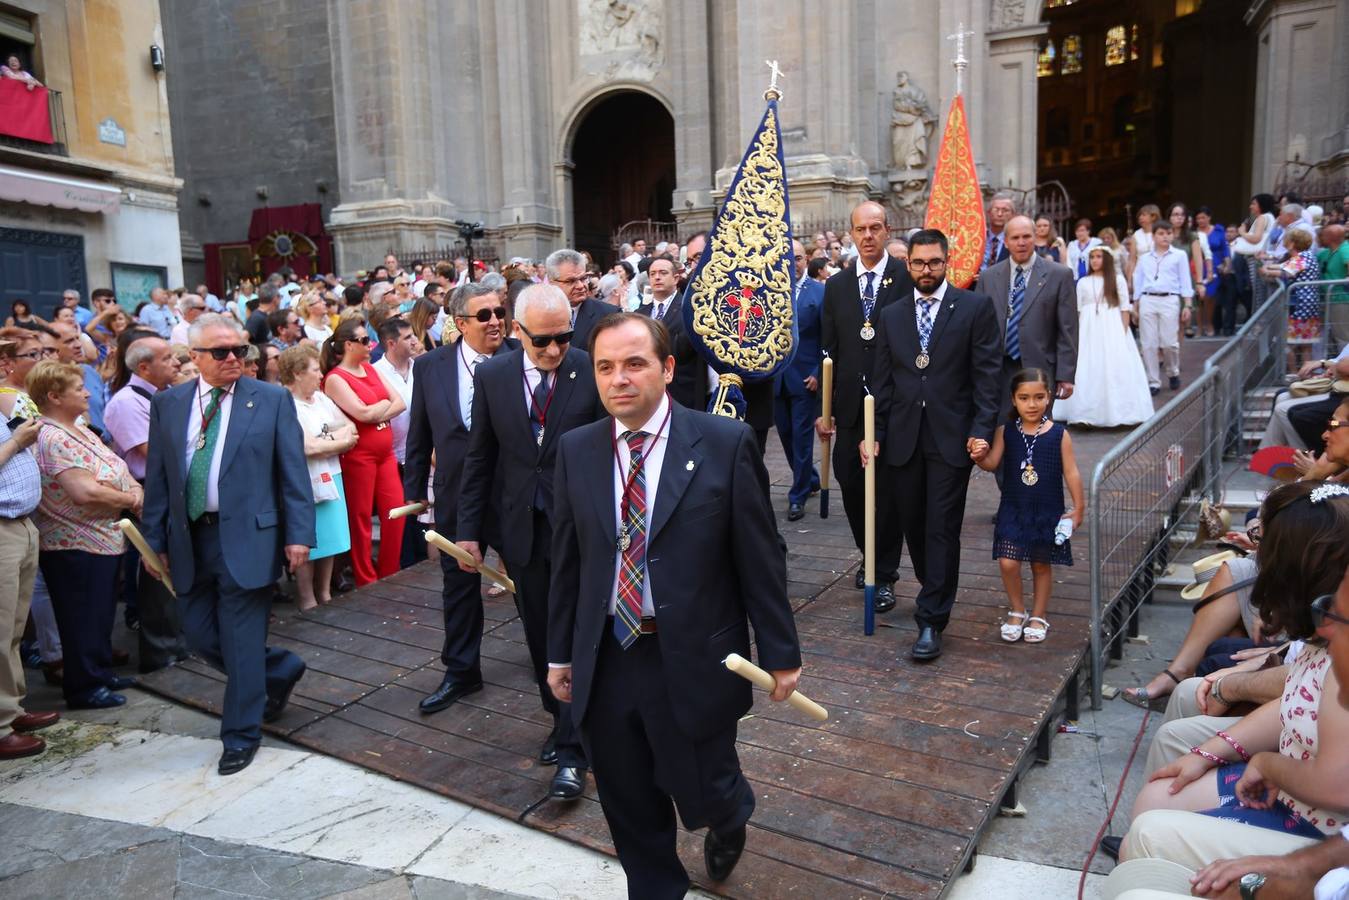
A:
{"x": 1320, "y": 609}
{"x": 219, "y": 354}
{"x": 562, "y": 338}
{"x": 364, "y": 339}
{"x": 486, "y": 315}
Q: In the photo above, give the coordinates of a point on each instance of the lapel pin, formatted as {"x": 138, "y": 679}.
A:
{"x": 689, "y": 465}
{"x": 249, "y": 404}
{"x": 573, "y": 375}
{"x": 885, "y": 282}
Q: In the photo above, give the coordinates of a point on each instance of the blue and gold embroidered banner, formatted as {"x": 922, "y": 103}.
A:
{"x": 738, "y": 307}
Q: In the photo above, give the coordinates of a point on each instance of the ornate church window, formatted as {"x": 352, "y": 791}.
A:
{"x": 1133, "y": 41}
{"x": 1044, "y": 63}
{"x": 1116, "y": 46}
{"x": 1072, "y": 54}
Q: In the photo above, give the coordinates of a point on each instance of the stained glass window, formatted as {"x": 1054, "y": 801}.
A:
{"x": 1072, "y": 54}
{"x": 1116, "y": 50}
{"x": 1044, "y": 63}
{"x": 1133, "y": 41}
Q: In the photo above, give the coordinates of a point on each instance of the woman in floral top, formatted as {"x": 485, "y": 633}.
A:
{"x": 1281, "y": 767}
{"x": 85, "y": 489}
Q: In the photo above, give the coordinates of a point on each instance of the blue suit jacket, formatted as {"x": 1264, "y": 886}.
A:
{"x": 266, "y": 500}
{"x": 806, "y": 361}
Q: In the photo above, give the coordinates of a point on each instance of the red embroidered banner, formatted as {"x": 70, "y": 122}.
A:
{"x": 23, "y": 113}
{"x": 956, "y": 205}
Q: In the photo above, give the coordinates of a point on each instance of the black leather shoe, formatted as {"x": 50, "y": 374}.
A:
{"x": 928, "y": 645}
{"x": 569, "y": 782}
{"x": 548, "y": 752}
{"x": 1110, "y": 845}
{"x": 885, "y": 598}
{"x": 448, "y": 692}
{"x": 861, "y": 580}
{"x": 232, "y": 761}
{"x": 795, "y": 512}
{"x": 1175, "y": 382}
{"x": 277, "y": 705}
{"x": 722, "y": 852}
{"x": 99, "y": 698}
{"x": 120, "y": 683}
{"x": 1154, "y": 391}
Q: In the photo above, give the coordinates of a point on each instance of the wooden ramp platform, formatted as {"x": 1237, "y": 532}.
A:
{"x": 887, "y": 798}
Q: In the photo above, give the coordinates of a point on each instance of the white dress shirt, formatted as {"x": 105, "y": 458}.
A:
{"x": 468, "y": 359}
{"x": 660, "y": 307}
{"x": 1165, "y": 273}
{"x": 938, "y": 295}
{"x": 194, "y": 432}
{"x": 654, "y": 452}
{"x": 878, "y": 270}
{"x": 400, "y": 422}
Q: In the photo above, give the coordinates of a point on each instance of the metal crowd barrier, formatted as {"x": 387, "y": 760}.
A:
{"x": 1144, "y": 494}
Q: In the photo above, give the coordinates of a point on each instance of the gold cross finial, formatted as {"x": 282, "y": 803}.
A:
{"x": 773, "y": 92}
{"x": 961, "y": 62}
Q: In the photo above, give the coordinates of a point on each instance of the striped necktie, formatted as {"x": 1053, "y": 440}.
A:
{"x": 1014, "y": 314}
{"x": 199, "y": 470}
{"x": 632, "y": 572}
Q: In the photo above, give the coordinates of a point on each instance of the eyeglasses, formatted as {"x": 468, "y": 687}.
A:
{"x": 35, "y": 354}
{"x": 1320, "y": 610}
{"x": 363, "y": 339}
{"x": 568, "y": 282}
{"x": 487, "y": 315}
{"x": 562, "y": 338}
{"x": 930, "y": 265}
{"x": 219, "y": 354}
{"x": 1336, "y": 423}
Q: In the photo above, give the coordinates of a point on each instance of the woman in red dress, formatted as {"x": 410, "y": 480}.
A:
{"x": 369, "y": 470}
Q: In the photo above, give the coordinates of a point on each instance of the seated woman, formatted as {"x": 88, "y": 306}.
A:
{"x": 1302, "y": 739}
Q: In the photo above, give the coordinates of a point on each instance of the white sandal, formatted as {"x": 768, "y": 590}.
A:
{"x": 1011, "y": 633}
{"x": 1036, "y": 634}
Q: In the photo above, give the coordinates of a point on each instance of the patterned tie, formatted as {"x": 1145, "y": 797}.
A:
{"x": 660, "y": 310}
{"x": 540, "y": 404}
{"x": 924, "y": 321}
{"x": 1014, "y": 314}
{"x": 869, "y": 296}
{"x": 472, "y": 368}
{"x": 199, "y": 472}
{"x": 632, "y": 572}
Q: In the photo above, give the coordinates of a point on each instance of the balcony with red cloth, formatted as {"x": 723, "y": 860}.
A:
{"x": 31, "y": 120}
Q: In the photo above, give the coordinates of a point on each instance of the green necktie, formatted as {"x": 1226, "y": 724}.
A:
{"x": 199, "y": 472}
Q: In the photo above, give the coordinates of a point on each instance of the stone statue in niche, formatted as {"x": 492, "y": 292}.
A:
{"x": 910, "y": 126}
{"x": 626, "y": 32}
{"x": 909, "y": 196}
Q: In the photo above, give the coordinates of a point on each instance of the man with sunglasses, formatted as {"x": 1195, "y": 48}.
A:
{"x": 223, "y": 549}
{"x": 440, "y": 423}
{"x": 567, "y": 271}
{"x": 523, "y": 402}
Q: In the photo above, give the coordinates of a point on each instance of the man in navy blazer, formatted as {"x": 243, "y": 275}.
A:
{"x": 796, "y": 389}
{"x": 566, "y": 270}
{"x": 936, "y": 392}
{"x": 440, "y": 422}
{"x": 524, "y": 401}
{"x": 227, "y": 500}
{"x": 696, "y": 560}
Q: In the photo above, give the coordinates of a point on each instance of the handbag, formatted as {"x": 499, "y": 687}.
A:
{"x": 1310, "y": 387}
{"x": 323, "y": 485}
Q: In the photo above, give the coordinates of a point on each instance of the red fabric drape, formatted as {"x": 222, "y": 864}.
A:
{"x": 302, "y": 218}
{"x": 24, "y": 113}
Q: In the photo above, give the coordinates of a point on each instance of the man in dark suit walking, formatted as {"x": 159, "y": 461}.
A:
{"x": 853, "y": 302}
{"x": 440, "y": 423}
{"x": 566, "y": 270}
{"x": 664, "y": 544}
{"x": 524, "y": 401}
{"x": 224, "y": 549}
{"x": 936, "y": 392}
{"x": 796, "y": 390}
{"x": 1035, "y": 301}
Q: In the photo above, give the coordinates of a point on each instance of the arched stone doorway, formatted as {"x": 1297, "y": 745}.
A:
{"x": 623, "y": 168}
{"x": 1144, "y": 103}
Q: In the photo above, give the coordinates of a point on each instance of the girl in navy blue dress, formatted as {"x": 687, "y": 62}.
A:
{"x": 1036, "y": 455}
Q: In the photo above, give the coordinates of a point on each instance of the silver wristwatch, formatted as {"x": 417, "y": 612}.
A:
{"x": 1251, "y": 883}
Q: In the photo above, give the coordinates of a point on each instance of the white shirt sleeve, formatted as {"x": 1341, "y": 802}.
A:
{"x": 1122, "y": 287}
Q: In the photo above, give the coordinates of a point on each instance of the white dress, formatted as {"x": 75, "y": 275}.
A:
{"x": 1111, "y": 387}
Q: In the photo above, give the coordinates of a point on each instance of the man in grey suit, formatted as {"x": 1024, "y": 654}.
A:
{"x": 223, "y": 549}
{"x": 1036, "y": 302}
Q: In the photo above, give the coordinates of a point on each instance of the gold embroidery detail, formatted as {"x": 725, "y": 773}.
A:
{"x": 955, "y": 205}
{"x": 742, "y": 299}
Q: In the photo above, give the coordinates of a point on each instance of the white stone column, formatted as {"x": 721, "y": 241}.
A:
{"x": 1004, "y": 111}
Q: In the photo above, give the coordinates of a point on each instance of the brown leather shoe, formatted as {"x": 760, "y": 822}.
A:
{"x": 17, "y": 746}
{"x": 33, "y": 721}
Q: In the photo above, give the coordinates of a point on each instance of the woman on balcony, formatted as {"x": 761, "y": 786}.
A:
{"x": 14, "y": 69}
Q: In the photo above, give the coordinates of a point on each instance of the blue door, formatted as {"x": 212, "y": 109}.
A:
{"x": 37, "y": 267}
